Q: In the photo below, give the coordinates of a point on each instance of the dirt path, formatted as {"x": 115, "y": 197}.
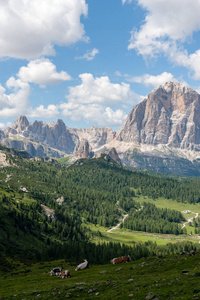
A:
{"x": 190, "y": 219}
{"x": 122, "y": 221}
{"x": 115, "y": 227}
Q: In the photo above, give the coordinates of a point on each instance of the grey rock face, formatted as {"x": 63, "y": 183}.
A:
{"x": 83, "y": 150}
{"x": 34, "y": 149}
{"x": 39, "y": 138}
{"x": 161, "y": 163}
{"x": 55, "y": 135}
{"x": 114, "y": 156}
{"x": 169, "y": 115}
{"x": 20, "y": 124}
{"x": 53, "y": 139}
{"x": 96, "y": 137}
{"x": 2, "y": 135}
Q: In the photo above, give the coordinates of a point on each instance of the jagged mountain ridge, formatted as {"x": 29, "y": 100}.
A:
{"x": 55, "y": 134}
{"x": 159, "y": 133}
{"x": 52, "y": 139}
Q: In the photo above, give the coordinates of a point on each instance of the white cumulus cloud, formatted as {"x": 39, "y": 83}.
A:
{"x": 190, "y": 61}
{"x": 95, "y": 100}
{"x": 151, "y": 80}
{"x": 100, "y": 90}
{"x": 89, "y": 55}
{"x": 42, "y": 112}
{"x": 17, "y": 101}
{"x": 166, "y": 22}
{"x": 30, "y": 29}
{"x": 42, "y": 72}
{"x": 167, "y": 26}
{"x": 95, "y": 113}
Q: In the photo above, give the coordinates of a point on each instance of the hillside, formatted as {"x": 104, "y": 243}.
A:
{"x": 168, "y": 277}
{"x": 46, "y": 206}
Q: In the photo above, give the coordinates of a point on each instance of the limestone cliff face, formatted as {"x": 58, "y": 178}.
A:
{"x": 39, "y": 138}
{"x": 83, "y": 150}
{"x": 55, "y": 135}
{"x": 33, "y": 148}
{"x": 20, "y": 124}
{"x": 96, "y": 137}
{"x": 53, "y": 139}
{"x": 169, "y": 115}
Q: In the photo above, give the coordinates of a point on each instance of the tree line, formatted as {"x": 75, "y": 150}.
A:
{"x": 149, "y": 218}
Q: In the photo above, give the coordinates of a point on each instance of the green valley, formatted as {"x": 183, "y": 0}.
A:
{"x": 92, "y": 209}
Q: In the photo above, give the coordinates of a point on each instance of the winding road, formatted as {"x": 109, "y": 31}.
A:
{"x": 115, "y": 227}
{"x": 190, "y": 219}
{"x": 122, "y": 221}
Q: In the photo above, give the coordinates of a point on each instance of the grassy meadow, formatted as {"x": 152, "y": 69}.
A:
{"x": 129, "y": 237}
{"x": 170, "y": 277}
{"x": 126, "y": 236}
{"x": 63, "y": 160}
{"x": 169, "y": 203}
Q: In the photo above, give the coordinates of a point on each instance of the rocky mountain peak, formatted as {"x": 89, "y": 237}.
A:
{"x": 20, "y": 124}
{"x": 60, "y": 123}
{"x": 83, "y": 149}
{"x": 169, "y": 115}
{"x": 174, "y": 96}
{"x": 58, "y": 126}
{"x": 171, "y": 86}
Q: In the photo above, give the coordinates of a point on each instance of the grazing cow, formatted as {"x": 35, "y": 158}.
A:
{"x": 55, "y": 271}
{"x": 65, "y": 274}
{"x": 119, "y": 260}
{"x": 82, "y": 266}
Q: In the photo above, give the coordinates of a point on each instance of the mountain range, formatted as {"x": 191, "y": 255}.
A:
{"x": 161, "y": 133}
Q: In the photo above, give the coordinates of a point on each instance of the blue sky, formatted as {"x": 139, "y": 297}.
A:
{"x": 89, "y": 61}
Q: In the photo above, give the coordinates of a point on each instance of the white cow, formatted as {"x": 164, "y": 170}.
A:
{"x": 82, "y": 266}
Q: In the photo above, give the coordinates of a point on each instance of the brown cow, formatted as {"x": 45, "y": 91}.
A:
{"x": 119, "y": 260}
{"x": 64, "y": 274}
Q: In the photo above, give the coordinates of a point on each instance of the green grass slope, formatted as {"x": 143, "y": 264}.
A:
{"x": 169, "y": 277}
{"x": 93, "y": 191}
